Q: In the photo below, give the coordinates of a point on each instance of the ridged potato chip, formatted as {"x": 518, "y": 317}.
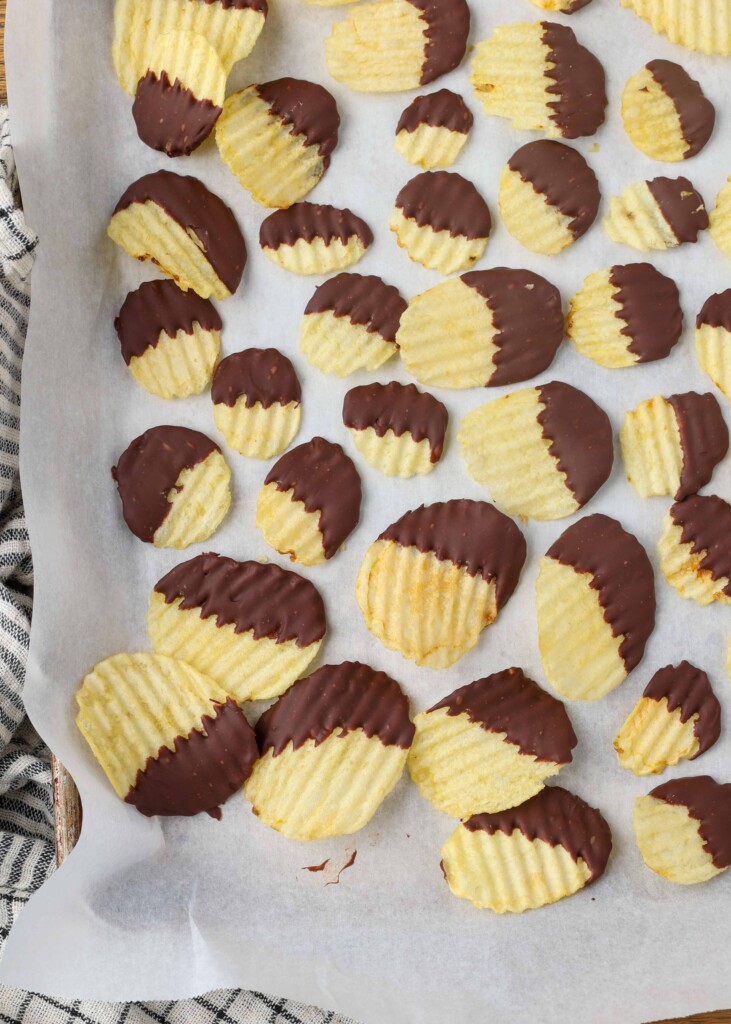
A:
{"x": 672, "y": 445}
{"x": 437, "y": 577}
{"x": 625, "y": 315}
{"x": 277, "y": 138}
{"x": 683, "y": 829}
{"x": 310, "y": 502}
{"x": 703, "y": 25}
{"x": 490, "y": 745}
{"x": 433, "y": 129}
{"x": 678, "y": 717}
{"x": 713, "y": 340}
{"x": 530, "y": 856}
{"x": 720, "y": 220}
{"x": 393, "y": 45}
{"x": 169, "y": 739}
{"x": 529, "y": 451}
{"x": 695, "y": 549}
{"x": 186, "y": 230}
{"x": 549, "y": 196}
{"x": 486, "y": 328}
{"x": 442, "y": 221}
{"x": 174, "y": 485}
{"x": 538, "y": 76}
{"x": 332, "y": 749}
{"x": 665, "y": 112}
{"x": 396, "y": 428}
{"x": 252, "y": 628}
{"x": 595, "y": 598}
{"x": 350, "y": 324}
{"x": 257, "y": 401}
{"x": 312, "y": 239}
{"x": 659, "y": 214}
{"x": 232, "y": 28}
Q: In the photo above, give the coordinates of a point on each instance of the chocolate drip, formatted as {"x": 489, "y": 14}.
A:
{"x": 716, "y": 311}
{"x": 445, "y": 201}
{"x": 709, "y": 803}
{"x": 442, "y": 109}
{"x": 650, "y": 308}
{"x": 447, "y": 29}
{"x": 681, "y": 206}
{"x": 366, "y": 301}
{"x": 559, "y": 818}
{"x": 578, "y": 83}
{"x": 705, "y": 523}
{"x": 401, "y": 408}
{"x": 308, "y": 108}
{"x": 688, "y": 689}
{"x": 337, "y": 699}
{"x": 563, "y": 177}
{"x": 160, "y": 307}
{"x": 472, "y": 534}
{"x": 202, "y": 771}
{"x": 149, "y": 469}
{"x": 697, "y": 114}
{"x": 511, "y": 703}
{"x": 527, "y": 317}
{"x": 169, "y": 117}
{"x": 581, "y": 437}
{"x": 310, "y": 221}
{"x": 263, "y": 599}
{"x": 621, "y": 574}
{"x": 321, "y": 475}
{"x": 197, "y": 211}
{"x": 262, "y": 375}
{"x": 703, "y": 438}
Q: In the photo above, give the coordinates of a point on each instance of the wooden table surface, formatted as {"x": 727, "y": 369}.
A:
{"x": 64, "y": 789}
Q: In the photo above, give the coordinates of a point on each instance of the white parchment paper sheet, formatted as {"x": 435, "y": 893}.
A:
{"x": 164, "y": 909}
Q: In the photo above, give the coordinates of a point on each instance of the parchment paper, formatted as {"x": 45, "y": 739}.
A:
{"x": 145, "y": 908}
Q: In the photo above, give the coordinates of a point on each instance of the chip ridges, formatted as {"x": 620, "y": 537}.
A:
{"x": 688, "y": 689}
{"x": 703, "y": 25}
{"x": 158, "y": 307}
{"x": 709, "y": 803}
{"x": 365, "y": 300}
{"x": 705, "y": 524}
{"x": 399, "y": 408}
{"x": 562, "y": 176}
{"x": 445, "y": 201}
{"x": 307, "y": 108}
{"x": 649, "y": 305}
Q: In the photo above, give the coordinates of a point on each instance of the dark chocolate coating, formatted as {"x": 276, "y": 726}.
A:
{"x": 337, "y": 699}
{"x": 681, "y": 206}
{"x": 241, "y": 5}
{"x": 716, "y": 311}
{"x": 709, "y": 803}
{"x": 511, "y": 703}
{"x": 169, "y": 117}
{"x": 581, "y": 437}
{"x": 401, "y": 408}
{"x": 310, "y": 221}
{"x": 576, "y": 6}
{"x": 528, "y": 319}
{"x": 157, "y": 307}
{"x": 204, "y": 769}
{"x": 188, "y": 201}
{"x": 578, "y": 83}
{"x": 149, "y": 468}
{"x": 250, "y": 596}
{"x": 366, "y": 301}
{"x": 703, "y": 438}
{"x": 688, "y": 689}
{"x": 650, "y": 308}
{"x": 445, "y": 201}
{"x": 309, "y": 109}
{"x": 563, "y": 177}
{"x": 697, "y": 114}
{"x": 263, "y": 375}
{"x": 447, "y": 29}
{"x": 442, "y": 109}
{"x": 322, "y": 476}
{"x": 471, "y": 534}
{"x": 559, "y": 818}
{"x": 705, "y": 523}
{"x": 621, "y": 574}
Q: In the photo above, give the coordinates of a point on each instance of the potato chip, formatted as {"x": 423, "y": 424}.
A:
{"x": 695, "y": 549}
{"x": 659, "y": 214}
{"x": 665, "y": 112}
{"x": 703, "y": 25}
{"x": 312, "y": 239}
{"x": 713, "y": 340}
{"x": 433, "y": 130}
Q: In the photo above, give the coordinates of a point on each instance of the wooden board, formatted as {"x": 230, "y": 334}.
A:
{"x": 66, "y": 797}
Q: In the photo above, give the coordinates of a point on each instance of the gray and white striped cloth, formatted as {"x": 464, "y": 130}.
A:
{"x": 27, "y": 854}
